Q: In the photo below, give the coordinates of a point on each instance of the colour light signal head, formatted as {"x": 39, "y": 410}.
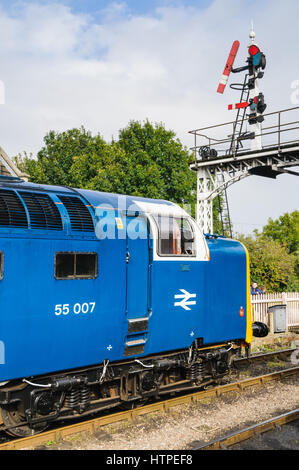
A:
{"x": 260, "y": 103}
{"x": 257, "y": 108}
{"x": 257, "y": 58}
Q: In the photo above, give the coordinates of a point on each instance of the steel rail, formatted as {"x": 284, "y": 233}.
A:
{"x": 250, "y": 431}
{"x": 264, "y": 356}
{"x": 55, "y": 435}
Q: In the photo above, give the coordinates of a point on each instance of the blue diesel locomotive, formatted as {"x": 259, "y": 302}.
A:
{"x": 107, "y": 300}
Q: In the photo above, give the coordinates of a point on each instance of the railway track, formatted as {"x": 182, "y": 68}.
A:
{"x": 250, "y": 431}
{"x": 55, "y": 435}
{"x": 284, "y": 354}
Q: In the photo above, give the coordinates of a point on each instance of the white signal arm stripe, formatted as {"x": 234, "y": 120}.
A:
{"x": 224, "y": 80}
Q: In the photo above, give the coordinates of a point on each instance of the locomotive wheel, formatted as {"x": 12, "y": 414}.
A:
{"x": 12, "y": 416}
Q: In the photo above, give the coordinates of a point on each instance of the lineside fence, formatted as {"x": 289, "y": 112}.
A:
{"x": 261, "y": 303}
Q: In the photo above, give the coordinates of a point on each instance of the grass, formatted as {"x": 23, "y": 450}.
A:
{"x": 206, "y": 401}
{"x": 245, "y": 373}
{"x": 50, "y": 443}
{"x": 279, "y": 364}
{"x": 267, "y": 348}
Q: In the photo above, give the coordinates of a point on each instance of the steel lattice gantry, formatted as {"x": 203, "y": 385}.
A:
{"x": 218, "y": 169}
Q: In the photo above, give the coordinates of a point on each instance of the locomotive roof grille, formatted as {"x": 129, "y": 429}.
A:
{"x": 12, "y": 211}
{"x": 80, "y": 217}
{"x": 43, "y": 211}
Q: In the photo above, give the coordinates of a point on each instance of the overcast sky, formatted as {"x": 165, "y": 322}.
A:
{"x": 100, "y": 63}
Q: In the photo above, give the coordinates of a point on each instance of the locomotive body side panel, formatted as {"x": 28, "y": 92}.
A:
{"x": 177, "y": 323}
{"x": 138, "y": 278}
{"x": 218, "y": 294}
{"x": 228, "y": 313}
{"x": 48, "y": 324}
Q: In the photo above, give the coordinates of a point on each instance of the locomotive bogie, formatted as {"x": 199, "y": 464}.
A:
{"x": 30, "y": 406}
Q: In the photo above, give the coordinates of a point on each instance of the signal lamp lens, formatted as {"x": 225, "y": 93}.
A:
{"x": 253, "y": 50}
{"x": 242, "y": 312}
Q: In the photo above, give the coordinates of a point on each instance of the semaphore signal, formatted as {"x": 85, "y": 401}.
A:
{"x": 228, "y": 67}
{"x": 254, "y": 101}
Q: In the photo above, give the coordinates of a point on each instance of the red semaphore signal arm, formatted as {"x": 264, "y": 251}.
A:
{"x": 245, "y": 104}
{"x": 228, "y": 67}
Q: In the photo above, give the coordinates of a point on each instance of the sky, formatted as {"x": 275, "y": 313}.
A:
{"x": 101, "y": 63}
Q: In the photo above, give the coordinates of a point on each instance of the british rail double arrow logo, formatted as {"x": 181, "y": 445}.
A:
{"x": 185, "y": 302}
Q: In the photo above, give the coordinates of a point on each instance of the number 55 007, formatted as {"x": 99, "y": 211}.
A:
{"x": 65, "y": 309}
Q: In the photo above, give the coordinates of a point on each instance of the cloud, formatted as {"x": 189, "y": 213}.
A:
{"x": 62, "y": 69}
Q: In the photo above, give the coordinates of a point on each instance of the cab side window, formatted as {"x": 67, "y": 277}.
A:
{"x": 176, "y": 236}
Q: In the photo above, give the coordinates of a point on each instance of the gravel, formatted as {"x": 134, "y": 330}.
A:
{"x": 188, "y": 426}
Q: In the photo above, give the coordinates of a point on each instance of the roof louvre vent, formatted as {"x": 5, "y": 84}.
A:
{"x": 43, "y": 212}
{"x": 80, "y": 217}
{"x": 12, "y": 211}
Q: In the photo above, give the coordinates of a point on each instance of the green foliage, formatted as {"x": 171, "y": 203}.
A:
{"x": 285, "y": 230}
{"x": 61, "y": 150}
{"x": 147, "y": 161}
{"x": 156, "y": 151}
{"x": 271, "y": 264}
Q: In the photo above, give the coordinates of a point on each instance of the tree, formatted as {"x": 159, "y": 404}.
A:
{"x": 55, "y": 160}
{"x": 158, "y": 148}
{"x": 285, "y": 230}
{"x": 271, "y": 264}
{"x": 147, "y": 161}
